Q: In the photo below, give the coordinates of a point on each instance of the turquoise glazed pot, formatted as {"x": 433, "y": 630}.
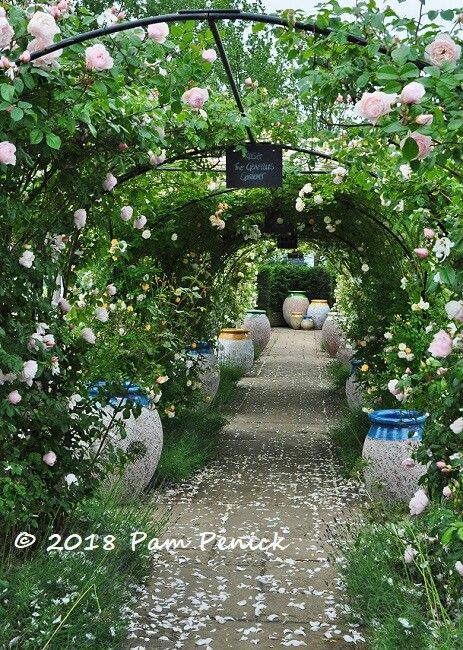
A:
{"x": 393, "y": 436}
{"x": 295, "y": 301}
{"x": 203, "y": 356}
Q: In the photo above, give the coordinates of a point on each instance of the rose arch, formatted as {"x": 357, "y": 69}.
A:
{"x": 118, "y": 231}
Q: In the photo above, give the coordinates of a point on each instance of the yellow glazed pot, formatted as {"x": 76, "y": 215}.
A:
{"x": 295, "y": 319}
{"x": 236, "y": 349}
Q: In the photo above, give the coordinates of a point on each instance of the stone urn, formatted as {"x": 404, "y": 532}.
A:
{"x": 307, "y": 323}
{"x": 391, "y": 440}
{"x": 345, "y": 354}
{"x": 204, "y": 358}
{"x": 295, "y": 301}
{"x": 355, "y": 394}
{"x": 144, "y": 435}
{"x": 236, "y": 349}
{"x": 331, "y": 334}
{"x": 296, "y": 319}
{"x": 258, "y": 324}
{"x": 318, "y": 312}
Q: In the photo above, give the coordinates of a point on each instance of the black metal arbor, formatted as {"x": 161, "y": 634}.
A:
{"x": 212, "y": 17}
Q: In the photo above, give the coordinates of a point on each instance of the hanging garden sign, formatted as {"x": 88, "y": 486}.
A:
{"x": 260, "y": 165}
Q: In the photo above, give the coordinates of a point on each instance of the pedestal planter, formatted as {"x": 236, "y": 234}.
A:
{"x": 295, "y": 301}
{"x": 318, "y": 312}
{"x": 143, "y": 434}
{"x": 307, "y": 323}
{"x": 331, "y": 334}
{"x": 393, "y": 435}
{"x": 258, "y": 324}
{"x": 236, "y": 349}
{"x": 296, "y": 319}
{"x": 203, "y": 356}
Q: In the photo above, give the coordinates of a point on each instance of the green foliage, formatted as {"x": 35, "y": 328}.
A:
{"x": 338, "y": 374}
{"x": 60, "y": 600}
{"x": 349, "y": 435}
{"x": 276, "y": 279}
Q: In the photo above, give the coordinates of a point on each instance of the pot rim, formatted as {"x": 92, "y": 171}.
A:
{"x": 398, "y": 417}
{"x": 256, "y": 311}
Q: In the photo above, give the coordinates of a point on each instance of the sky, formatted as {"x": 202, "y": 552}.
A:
{"x": 409, "y": 8}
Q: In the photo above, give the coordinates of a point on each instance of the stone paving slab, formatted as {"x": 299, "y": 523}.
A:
{"x": 276, "y": 479}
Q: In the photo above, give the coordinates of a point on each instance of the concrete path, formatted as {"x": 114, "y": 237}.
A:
{"x": 276, "y": 479}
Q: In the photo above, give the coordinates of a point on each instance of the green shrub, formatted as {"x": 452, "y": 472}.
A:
{"x": 275, "y": 280}
{"x": 349, "y": 435}
{"x": 338, "y": 374}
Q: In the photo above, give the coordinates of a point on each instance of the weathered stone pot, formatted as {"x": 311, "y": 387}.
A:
{"x": 203, "y": 356}
{"x": 345, "y": 354}
{"x": 296, "y": 319}
{"x": 258, "y": 324}
{"x": 236, "y": 349}
{"x": 143, "y": 433}
{"x": 331, "y": 334}
{"x": 318, "y": 312}
{"x": 307, "y": 323}
{"x": 355, "y": 393}
{"x": 393, "y": 435}
{"x": 295, "y": 301}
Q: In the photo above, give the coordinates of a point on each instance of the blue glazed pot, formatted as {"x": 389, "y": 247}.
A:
{"x": 393, "y": 436}
{"x": 397, "y": 424}
{"x": 355, "y": 365}
{"x": 201, "y": 347}
{"x": 129, "y": 391}
{"x": 203, "y": 355}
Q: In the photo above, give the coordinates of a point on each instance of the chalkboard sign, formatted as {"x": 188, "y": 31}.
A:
{"x": 260, "y": 166}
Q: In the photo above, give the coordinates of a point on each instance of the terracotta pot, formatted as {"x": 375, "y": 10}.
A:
{"x": 295, "y": 301}
{"x": 331, "y": 335}
{"x": 236, "y": 349}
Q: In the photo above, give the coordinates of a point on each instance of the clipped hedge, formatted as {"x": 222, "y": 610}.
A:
{"x": 276, "y": 279}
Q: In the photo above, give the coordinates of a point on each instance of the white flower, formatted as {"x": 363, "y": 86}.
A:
{"x": 442, "y": 248}
{"x": 140, "y": 223}
{"x": 457, "y": 426}
{"x": 73, "y": 401}
{"x": 406, "y": 171}
{"x": 146, "y": 234}
{"x": 365, "y": 268}
{"x": 27, "y": 259}
{"x": 101, "y": 314}
{"x": 80, "y": 218}
{"x": 454, "y": 309}
{"x": 28, "y": 372}
{"x": 405, "y": 623}
{"x": 318, "y": 199}
{"x": 111, "y": 290}
{"x": 420, "y": 306}
{"x": 70, "y": 479}
{"x": 387, "y": 336}
{"x": 300, "y": 205}
{"x": 88, "y": 335}
{"x": 403, "y": 283}
{"x": 174, "y": 236}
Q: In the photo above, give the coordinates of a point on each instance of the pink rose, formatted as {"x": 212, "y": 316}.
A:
{"x": 408, "y": 463}
{"x": 158, "y": 32}
{"x": 418, "y": 503}
{"x": 424, "y": 143}
{"x": 248, "y": 81}
{"x": 195, "y": 97}
{"x": 7, "y": 153}
{"x": 209, "y": 55}
{"x": 440, "y": 372}
{"x": 48, "y": 340}
{"x": 109, "y": 182}
{"x": 88, "y": 335}
{"x": 421, "y": 252}
{"x": 441, "y": 464}
{"x": 101, "y": 314}
{"x": 447, "y": 492}
{"x": 25, "y": 57}
{"x": 425, "y": 119}
{"x": 428, "y": 233}
{"x": 49, "y": 458}
{"x": 64, "y": 305}
{"x": 55, "y": 12}
{"x": 459, "y": 568}
{"x": 14, "y": 397}
{"x": 157, "y": 159}
{"x": 122, "y": 146}
{"x": 126, "y": 213}
{"x": 457, "y": 426}
{"x": 441, "y": 345}
{"x": 140, "y": 223}
{"x": 454, "y": 310}
{"x": 46, "y": 60}
{"x": 63, "y": 5}
{"x": 80, "y": 218}
{"x": 111, "y": 290}
{"x": 443, "y": 48}
{"x": 393, "y": 388}
{"x": 412, "y": 93}
{"x": 372, "y": 106}
{"x": 43, "y": 27}
{"x": 98, "y": 58}
{"x": 6, "y": 33}
{"x": 409, "y": 555}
